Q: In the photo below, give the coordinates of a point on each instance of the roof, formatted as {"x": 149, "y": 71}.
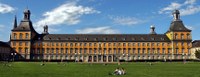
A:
{"x": 196, "y": 43}
{"x": 104, "y": 38}
{"x": 178, "y": 26}
{"x": 25, "y": 25}
{"x": 3, "y": 44}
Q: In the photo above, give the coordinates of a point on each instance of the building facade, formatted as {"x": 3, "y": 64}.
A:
{"x": 175, "y": 44}
{"x": 195, "y": 47}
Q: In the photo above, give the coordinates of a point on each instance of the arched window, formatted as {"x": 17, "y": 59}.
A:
{"x": 15, "y": 36}
{"x": 182, "y": 36}
{"x": 20, "y": 50}
{"x": 20, "y": 36}
{"x": 188, "y": 36}
{"x": 26, "y": 50}
{"x": 176, "y": 36}
{"x": 27, "y": 35}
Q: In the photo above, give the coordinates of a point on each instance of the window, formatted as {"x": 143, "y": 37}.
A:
{"x": 143, "y": 51}
{"x": 176, "y": 52}
{"x": 143, "y": 44}
{"x": 182, "y": 36}
{"x": 61, "y": 50}
{"x": 176, "y": 36}
{"x": 133, "y": 50}
{"x": 176, "y": 44}
{"x": 124, "y": 52}
{"x": 66, "y": 44}
{"x": 163, "y": 51}
{"x": 48, "y": 50}
{"x": 163, "y": 44}
{"x": 149, "y": 51}
{"x": 20, "y": 50}
{"x": 124, "y": 44}
{"x": 27, "y": 35}
{"x": 26, "y": 43}
{"x": 158, "y": 44}
{"x": 114, "y": 38}
{"x": 182, "y": 43}
{"x": 183, "y": 51}
{"x": 20, "y": 43}
{"x": 188, "y": 36}
{"x": 15, "y": 36}
{"x": 57, "y": 44}
{"x": 123, "y": 38}
{"x": 26, "y": 50}
{"x": 14, "y": 43}
{"x": 133, "y": 44}
{"x": 152, "y": 38}
{"x": 104, "y": 39}
{"x": 169, "y": 50}
{"x": 66, "y": 51}
{"x": 138, "y": 50}
{"x": 20, "y": 36}
{"x": 147, "y": 44}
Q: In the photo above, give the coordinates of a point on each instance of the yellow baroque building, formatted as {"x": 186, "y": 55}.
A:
{"x": 29, "y": 45}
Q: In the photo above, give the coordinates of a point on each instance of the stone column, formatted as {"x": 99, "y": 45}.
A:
{"x": 106, "y": 58}
{"x": 92, "y": 58}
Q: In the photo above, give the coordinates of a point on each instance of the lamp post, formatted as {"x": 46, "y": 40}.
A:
{"x": 13, "y": 56}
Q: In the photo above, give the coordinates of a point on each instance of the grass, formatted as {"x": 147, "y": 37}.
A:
{"x": 139, "y": 69}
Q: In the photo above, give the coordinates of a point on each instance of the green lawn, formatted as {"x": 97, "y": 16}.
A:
{"x": 135, "y": 69}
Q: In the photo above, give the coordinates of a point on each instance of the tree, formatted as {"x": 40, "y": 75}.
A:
{"x": 197, "y": 54}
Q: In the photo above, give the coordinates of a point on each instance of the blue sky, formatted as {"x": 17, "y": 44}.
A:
{"x": 100, "y": 16}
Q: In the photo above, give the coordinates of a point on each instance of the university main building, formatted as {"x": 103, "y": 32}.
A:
{"x": 29, "y": 45}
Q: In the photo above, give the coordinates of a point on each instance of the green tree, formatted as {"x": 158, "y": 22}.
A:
{"x": 197, "y": 54}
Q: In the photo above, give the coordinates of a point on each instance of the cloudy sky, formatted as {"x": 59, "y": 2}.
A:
{"x": 100, "y": 16}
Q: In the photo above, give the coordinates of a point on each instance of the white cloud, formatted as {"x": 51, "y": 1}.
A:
{"x": 4, "y": 8}
{"x": 98, "y": 30}
{"x": 128, "y": 21}
{"x": 170, "y": 7}
{"x": 189, "y": 27}
{"x": 68, "y": 13}
{"x": 189, "y": 1}
{"x": 187, "y": 8}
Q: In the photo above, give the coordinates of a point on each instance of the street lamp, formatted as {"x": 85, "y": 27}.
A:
{"x": 13, "y": 55}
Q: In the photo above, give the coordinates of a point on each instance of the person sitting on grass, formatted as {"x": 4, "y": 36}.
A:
{"x": 123, "y": 71}
{"x": 116, "y": 72}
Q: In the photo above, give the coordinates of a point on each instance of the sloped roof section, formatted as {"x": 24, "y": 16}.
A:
{"x": 196, "y": 43}
{"x": 24, "y": 26}
{"x": 178, "y": 26}
{"x": 105, "y": 38}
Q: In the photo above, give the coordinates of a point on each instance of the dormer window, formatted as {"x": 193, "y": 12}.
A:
{"x": 133, "y": 38}
{"x": 23, "y": 28}
{"x": 152, "y": 38}
{"x": 114, "y": 38}
{"x": 95, "y": 39}
{"x": 162, "y": 38}
{"x": 142, "y": 38}
{"x": 123, "y": 38}
{"x": 77, "y": 38}
{"x": 104, "y": 39}
{"x": 86, "y": 38}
